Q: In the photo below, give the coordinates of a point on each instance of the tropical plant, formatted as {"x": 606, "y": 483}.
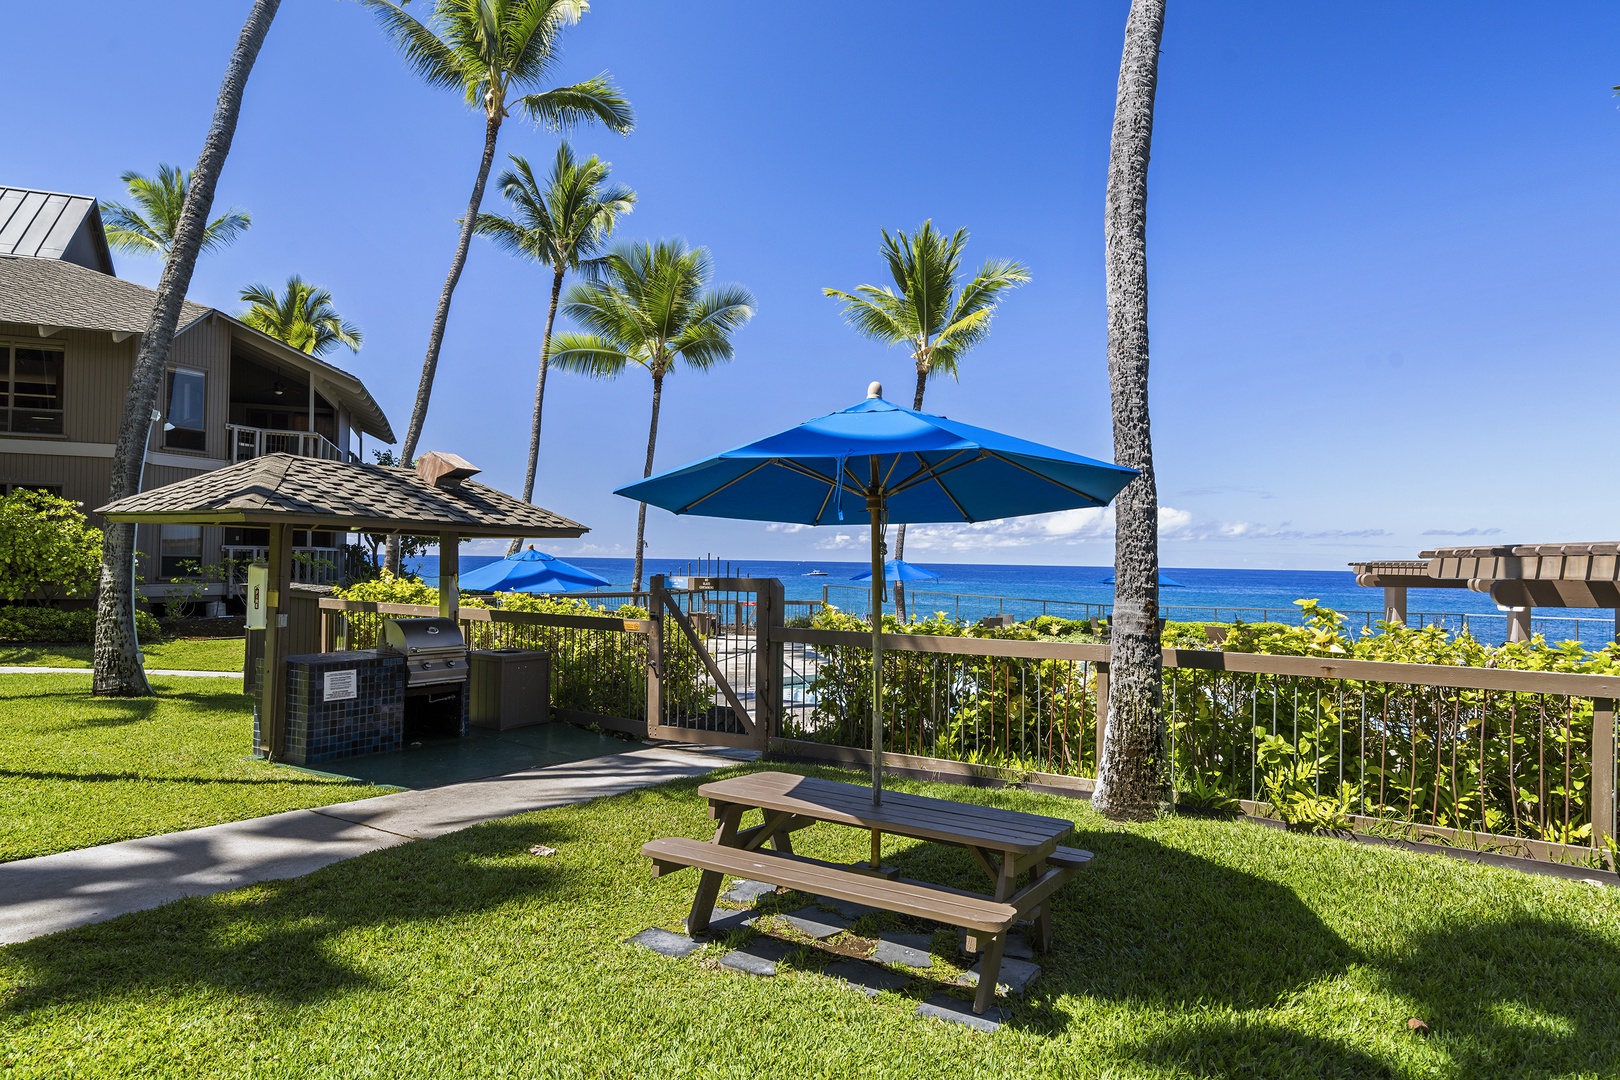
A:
{"x": 486, "y": 49}
{"x": 47, "y": 549}
{"x": 651, "y": 308}
{"x": 303, "y": 317}
{"x": 931, "y": 310}
{"x": 563, "y": 223}
{"x": 149, "y": 227}
{"x": 1131, "y": 778}
{"x": 117, "y": 662}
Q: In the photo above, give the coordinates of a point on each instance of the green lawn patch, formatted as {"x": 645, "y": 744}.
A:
{"x": 1192, "y": 948}
{"x": 181, "y": 654}
{"x": 77, "y": 770}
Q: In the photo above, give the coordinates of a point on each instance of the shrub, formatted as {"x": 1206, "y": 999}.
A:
{"x": 56, "y": 626}
{"x": 47, "y": 550}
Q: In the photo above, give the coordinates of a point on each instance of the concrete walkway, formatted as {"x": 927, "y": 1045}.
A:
{"x": 18, "y": 669}
{"x": 58, "y": 892}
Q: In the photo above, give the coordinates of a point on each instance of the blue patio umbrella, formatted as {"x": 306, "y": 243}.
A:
{"x": 1164, "y": 579}
{"x": 531, "y": 571}
{"x": 877, "y": 463}
{"x": 899, "y": 570}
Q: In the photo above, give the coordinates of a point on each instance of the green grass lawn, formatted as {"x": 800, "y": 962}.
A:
{"x": 77, "y": 770}
{"x": 1191, "y": 948}
{"x": 181, "y": 654}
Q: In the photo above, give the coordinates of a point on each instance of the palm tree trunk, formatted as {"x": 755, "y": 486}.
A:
{"x": 539, "y": 401}
{"x": 1131, "y": 780}
{"x": 900, "y": 531}
{"x": 652, "y": 441}
{"x": 430, "y": 362}
{"x": 118, "y": 670}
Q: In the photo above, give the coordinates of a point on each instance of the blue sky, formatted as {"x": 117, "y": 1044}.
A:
{"x": 1381, "y": 243}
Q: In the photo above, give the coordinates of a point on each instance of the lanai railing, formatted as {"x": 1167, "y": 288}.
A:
{"x": 248, "y": 443}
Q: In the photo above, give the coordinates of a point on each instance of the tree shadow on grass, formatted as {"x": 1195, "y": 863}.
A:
{"x": 1225, "y": 1046}
{"x": 1520, "y": 996}
{"x": 276, "y": 943}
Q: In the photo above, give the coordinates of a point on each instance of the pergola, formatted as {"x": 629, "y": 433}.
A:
{"x": 281, "y": 493}
{"x": 1518, "y": 577}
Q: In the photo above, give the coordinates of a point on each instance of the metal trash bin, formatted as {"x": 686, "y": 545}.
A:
{"x": 509, "y": 688}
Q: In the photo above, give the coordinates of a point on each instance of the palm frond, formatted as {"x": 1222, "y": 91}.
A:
{"x": 593, "y": 355}
{"x": 875, "y": 313}
{"x": 594, "y": 100}
{"x": 223, "y": 230}
{"x": 428, "y": 55}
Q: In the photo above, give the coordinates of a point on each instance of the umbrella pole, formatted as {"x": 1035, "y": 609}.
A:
{"x": 874, "y": 506}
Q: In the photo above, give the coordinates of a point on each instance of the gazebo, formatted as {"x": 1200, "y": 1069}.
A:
{"x": 282, "y": 492}
{"x": 1518, "y": 577}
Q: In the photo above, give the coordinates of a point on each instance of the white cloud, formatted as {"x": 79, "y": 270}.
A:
{"x": 1461, "y": 532}
{"x": 786, "y": 527}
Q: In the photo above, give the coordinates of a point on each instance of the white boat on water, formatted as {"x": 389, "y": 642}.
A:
{"x": 816, "y": 573}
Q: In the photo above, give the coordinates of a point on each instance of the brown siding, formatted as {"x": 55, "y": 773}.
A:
{"x": 207, "y": 347}
{"x": 95, "y": 380}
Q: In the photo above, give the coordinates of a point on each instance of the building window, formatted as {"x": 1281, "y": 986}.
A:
{"x": 30, "y": 390}
{"x": 183, "y": 427}
{"x": 181, "y": 551}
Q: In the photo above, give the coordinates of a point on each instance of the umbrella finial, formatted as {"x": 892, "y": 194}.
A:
{"x": 875, "y": 390}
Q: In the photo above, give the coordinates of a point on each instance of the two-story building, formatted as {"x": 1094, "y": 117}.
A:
{"x": 69, "y": 331}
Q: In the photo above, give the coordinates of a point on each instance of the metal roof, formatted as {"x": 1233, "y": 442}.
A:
{"x": 281, "y": 489}
{"x": 52, "y": 225}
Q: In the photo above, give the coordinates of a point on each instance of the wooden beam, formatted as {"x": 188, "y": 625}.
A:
{"x": 273, "y": 680}
{"x": 449, "y": 576}
{"x": 1603, "y": 778}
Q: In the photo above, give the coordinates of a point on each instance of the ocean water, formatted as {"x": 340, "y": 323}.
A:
{"x": 973, "y": 590}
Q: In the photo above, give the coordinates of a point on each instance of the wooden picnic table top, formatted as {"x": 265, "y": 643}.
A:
{"x": 901, "y": 814}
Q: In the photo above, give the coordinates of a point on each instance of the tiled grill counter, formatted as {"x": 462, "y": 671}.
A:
{"x": 325, "y": 726}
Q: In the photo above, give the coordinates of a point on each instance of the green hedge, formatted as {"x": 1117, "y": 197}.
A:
{"x": 68, "y": 627}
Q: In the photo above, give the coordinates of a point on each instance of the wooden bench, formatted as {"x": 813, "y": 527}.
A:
{"x": 978, "y": 915}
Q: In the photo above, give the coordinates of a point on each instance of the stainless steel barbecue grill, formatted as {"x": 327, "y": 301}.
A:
{"x": 434, "y": 650}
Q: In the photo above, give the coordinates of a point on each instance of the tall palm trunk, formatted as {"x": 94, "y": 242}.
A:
{"x": 1131, "y": 781}
{"x": 900, "y": 531}
{"x": 652, "y": 441}
{"x": 430, "y": 362}
{"x": 539, "y": 401}
{"x": 118, "y": 668}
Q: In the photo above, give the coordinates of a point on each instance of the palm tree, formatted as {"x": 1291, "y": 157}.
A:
{"x": 1131, "y": 781}
{"x": 303, "y": 317}
{"x": 930, "y": 310}
{"x": 149, "y": 227}
{"x": 651, "y": 307}
{"x": 561, "y": 223}
{"x": 117, "y": 662}
{"x": 486, "y": 49}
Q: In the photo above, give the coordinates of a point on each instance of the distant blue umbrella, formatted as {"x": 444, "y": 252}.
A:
{"x": 1163, "y": 580}
{"x": 877, "y": 463}
{"x": 531, "y": 571}
{"x": 899, "y": 570}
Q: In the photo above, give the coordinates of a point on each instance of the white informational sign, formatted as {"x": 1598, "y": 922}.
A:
{"x": 340, "y": 685}
{"x": 258, "y": 596}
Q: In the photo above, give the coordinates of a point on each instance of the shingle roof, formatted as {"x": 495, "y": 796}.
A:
{"x": 52, "y": 293}
{"x": 280, "y": 489}
{"x": 52, "y": 225}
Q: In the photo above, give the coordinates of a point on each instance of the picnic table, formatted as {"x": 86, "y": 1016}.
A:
{"x": 1006, "y": 844}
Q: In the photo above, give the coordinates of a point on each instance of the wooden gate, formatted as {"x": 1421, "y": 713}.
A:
{"x": 715, "y": 670}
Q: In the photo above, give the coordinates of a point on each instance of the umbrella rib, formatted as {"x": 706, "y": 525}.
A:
{"x": 1058, "y": 483}
{"x": 722, "y": 487}
{"x": 933, "y": 472}
{"x": 805, "y": 470}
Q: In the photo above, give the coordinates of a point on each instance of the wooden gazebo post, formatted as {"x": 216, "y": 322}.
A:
{"x": 449, "y": 575}
{"x": 272, "y": 687}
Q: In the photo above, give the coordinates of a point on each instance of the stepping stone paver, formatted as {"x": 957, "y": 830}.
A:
{"x": 815, "y": 922}
{"x": 869, "y": 980}
{"x": 1017, "y": 947}
{"x": 909, "y": 949}
{"x": 746, "y": 892}
{"x": 758, "y": 957}
{"x": 1015, "y": 975}
{"x": 956, "y": 1011}
{"x": 665, "y": 942}
{"x": 847, "y": 908}
{"x": 726, "y": 921}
